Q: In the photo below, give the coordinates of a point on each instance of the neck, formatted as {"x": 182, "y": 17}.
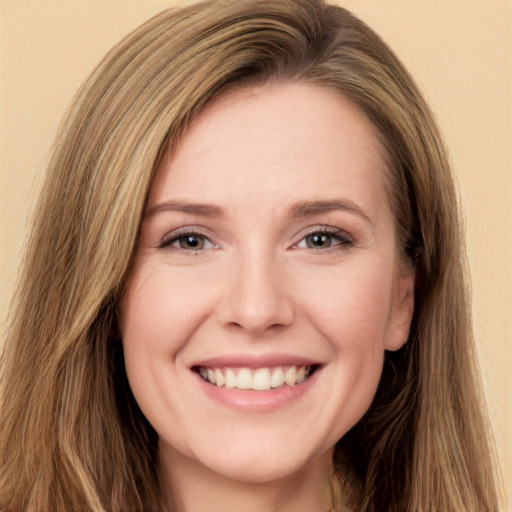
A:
{"x": 188, "y": 486}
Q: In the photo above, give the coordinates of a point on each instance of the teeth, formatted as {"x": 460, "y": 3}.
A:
{"x": 230, "y": 378}
{"x": 290, "y": 376}
{"x": 300, "y": 376}
{"x": 219, "y": 378}
{"x": 204, "y": 373}
{"x": 277, "y": 379}
{"x": 245, "y": 379}
{"x": 261, "y": 379}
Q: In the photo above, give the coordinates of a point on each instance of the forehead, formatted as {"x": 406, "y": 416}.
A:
{"x": 285, "y": 141}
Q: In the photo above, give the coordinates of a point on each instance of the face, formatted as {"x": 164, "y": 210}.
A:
{"x": 266, "y": 285}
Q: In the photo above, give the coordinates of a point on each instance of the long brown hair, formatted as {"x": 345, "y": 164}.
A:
{"x": 71, "y": 434}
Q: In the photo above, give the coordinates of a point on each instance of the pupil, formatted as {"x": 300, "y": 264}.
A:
{"x": 191, "y": 242}
{"x": 320, "y": 240}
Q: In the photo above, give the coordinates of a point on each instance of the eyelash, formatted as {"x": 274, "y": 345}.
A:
{"x": 342, "y": 238}
{"x": 168, "y": 241}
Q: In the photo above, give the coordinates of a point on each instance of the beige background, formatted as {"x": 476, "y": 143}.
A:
{"x": 460, "y": 51}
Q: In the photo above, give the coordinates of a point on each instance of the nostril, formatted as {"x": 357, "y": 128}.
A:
{"x": 256, "y": 298}
{"x": 255, "y": 320}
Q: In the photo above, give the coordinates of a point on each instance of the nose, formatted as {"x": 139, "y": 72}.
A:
{"x": 256, "y": 298}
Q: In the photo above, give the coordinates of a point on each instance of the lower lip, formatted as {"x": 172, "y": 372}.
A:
{"x": 257, "y": 401}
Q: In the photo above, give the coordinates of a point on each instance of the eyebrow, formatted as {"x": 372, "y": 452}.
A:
{"x": 205, "y": 210}
{"x": 308, "y": 208}
{"x": 296, "y": 210}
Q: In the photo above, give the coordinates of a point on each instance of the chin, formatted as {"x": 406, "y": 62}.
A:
{"x": 263, "y": 461}
{"x": 254, "y": 472}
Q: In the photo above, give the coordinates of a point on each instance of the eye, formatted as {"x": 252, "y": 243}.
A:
{"x": 189, "y": 241}
{"x": 323, "y": 239}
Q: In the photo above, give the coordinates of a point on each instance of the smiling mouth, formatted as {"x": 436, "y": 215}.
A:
{"x": 259, "y": 379}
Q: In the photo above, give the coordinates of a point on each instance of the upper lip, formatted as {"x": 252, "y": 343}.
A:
{"x": 255, "y": 361}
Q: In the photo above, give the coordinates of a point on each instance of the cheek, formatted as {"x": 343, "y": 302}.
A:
{"x": 351, "y": 310}
{"x": 352, "y": 306}
{"x": 161, "y": 309}
{"x": 159, "y": 313}
{"x": 150, "y": 315}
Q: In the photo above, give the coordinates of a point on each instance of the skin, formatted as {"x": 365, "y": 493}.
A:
{"x": 257, "y": 284}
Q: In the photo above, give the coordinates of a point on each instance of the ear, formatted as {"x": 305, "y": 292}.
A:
{"x": 402, "y": 309}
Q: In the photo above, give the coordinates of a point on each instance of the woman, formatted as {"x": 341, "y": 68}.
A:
{"x": 173, "y": 351}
